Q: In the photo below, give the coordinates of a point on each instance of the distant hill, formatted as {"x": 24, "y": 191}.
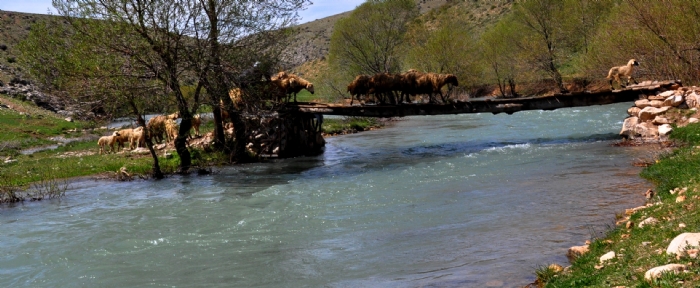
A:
{"x": 14, "y": 27}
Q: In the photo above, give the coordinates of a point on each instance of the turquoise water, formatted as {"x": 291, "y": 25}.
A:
{"x": 435, "y": 201}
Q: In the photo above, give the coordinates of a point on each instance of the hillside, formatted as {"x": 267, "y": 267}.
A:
{"x": 313, "y": 41}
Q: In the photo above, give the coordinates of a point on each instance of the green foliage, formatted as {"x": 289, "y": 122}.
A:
{"x": 371, "y": 39}
{"x": 349, "y": 125}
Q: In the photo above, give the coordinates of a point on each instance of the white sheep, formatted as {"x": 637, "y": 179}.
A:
{"x": 622, "y": 71}
{"x": 108, "y": 141}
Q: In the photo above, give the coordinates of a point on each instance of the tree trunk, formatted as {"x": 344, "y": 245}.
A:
{"x": 157, "y": 173}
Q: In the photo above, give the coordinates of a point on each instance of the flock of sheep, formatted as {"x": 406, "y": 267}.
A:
{"x": 161, "y": 128}
{"x": 385, "y": 86}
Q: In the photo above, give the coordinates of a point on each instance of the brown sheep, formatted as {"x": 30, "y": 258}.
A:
{"x": 107, "y": 141}
{"x": 196, "y": 122}
{"x": 136, "y": 140}
{"x": 432, "y": 83}
{"x": 622, "y": 71}
{"x": 409, "y": 84}
{"x": 359, "y": 87}
{"x": 124, "y": 137}
{"x": 383, "y": 85}
{"x": 291, "y": 84}
{"x": 156, "y": 126}
{"x": 170, "y": 129}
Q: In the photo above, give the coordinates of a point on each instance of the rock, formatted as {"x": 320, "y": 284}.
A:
{"x": 656, "y": 104}
{"x": 682, "y": 225}
{"x": 641, "y": 104}
{"x": 69, "y": 119}
{"x": 646, "y": 130}
{"x": 633, "y": 111}
{"x": 167, "y": 155}
{"x": 665, "y": 129}
{"x": 650, "y": 113}
{"x": 693, "y": 253}
{"x": 692, "y": 100}
{"x": 648, "y": 221}
{"x": 678, "y": 245}
{"x": 607, "y": 257}
{"x": 693, "y": 120}
{"x": 656, "y": 272}
{"x": 628, "y": 127}
{"x": 631, "y": 211}
{"x": 576, "y": 251}
{"x": 673, "y": 101}
{"x": 662, "y": 98}
{"x": 680, "y": 199}
{"x": 659, "y": 120}
{"x": 667, "y": 93}
{"x": 629, "y": 225}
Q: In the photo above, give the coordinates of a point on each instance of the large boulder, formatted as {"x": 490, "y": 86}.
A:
{"x": 657, "y": 103}
{"x": 646, "y": 130}
{"x": 665, "y": 129}
{"x": 678, "y": 245}
{"x": 649, "y": 113}
{"x": 692, "y": 100}
{"x": 641, "y": 104}
{"x": 673, "y": 101}
{"x": 656, "y": 272}
{"x": 667, "y": 93}
{"x": 628, "y": 127}
{"x": 634, "y": 111}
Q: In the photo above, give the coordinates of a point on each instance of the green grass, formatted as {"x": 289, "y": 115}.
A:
{"x": 640, "y": 249}
{"x": 349, "y": 125}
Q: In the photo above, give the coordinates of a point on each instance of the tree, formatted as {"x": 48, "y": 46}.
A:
{"x": 541, "y": 35}
{"x": 72, "y": 66}
{"x": 371, "y": 39}
{"x": 500, "y": 55}
{"x": 193, "y": 40}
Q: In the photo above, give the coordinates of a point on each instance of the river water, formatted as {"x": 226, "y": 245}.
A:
{"x": 474, "y": 200}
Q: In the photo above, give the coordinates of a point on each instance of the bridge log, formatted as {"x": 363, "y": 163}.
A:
{"x": 488, "y": 105}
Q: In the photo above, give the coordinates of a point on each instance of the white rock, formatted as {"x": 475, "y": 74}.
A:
{"x": 648, "y": 221}
{"x": 649, "y": 113}
{"x": 665, "y": 129}
{"x": 644, "y": 103}
{"x": 69, "y": 119}
{"x": 633, "y": 111}
{"x": 658, "y": 120}
{"x": 608, "y": 256}
{"x": 692, "y": 100}
{"x": 667, "y": 93}
{"x": 646, "y": 130}
{"x": 628, "y": 127}
{"x": 673, "y": 101}
{"x": 693, "y": 120}
{"x": 656, "y": 272}
{"x": 656, "y": 104}
{"x": 679, "y": 244}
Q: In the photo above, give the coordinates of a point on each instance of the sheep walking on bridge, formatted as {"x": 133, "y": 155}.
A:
{"x": 625, "y": 71}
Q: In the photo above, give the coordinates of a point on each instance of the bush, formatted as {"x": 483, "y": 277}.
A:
{"x": 11, "y": 60}
{"x": 3, "y": 47}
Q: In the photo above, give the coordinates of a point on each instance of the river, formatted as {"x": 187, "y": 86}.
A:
{"x": 472, "y": 200}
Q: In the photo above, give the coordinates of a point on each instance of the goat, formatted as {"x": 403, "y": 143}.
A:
{"x": 622, "y": 71}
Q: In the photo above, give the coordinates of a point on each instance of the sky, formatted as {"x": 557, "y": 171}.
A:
{"x": 319, "y": 9}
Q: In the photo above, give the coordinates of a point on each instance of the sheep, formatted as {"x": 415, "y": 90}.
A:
{"x": 359, "y": 86}
{"x": 124, "y": 137}
{"x": 383, "y": 85}
{"x": 622, "y": 71}
{"x": 156, "y": 126}
{"x": 107, "y": 141}
{"x": 136, "y": 138}
{"x": 409, "y": 84}
{"x": 291, "y": 84}
{"x": 196, "y": 122}
{"x": 170, "y": 129}
{"x": 431, "y": 83}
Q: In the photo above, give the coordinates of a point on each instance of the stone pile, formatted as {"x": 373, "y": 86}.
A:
{"x": 648, "y": 120}
{"x": 274, "y": 136}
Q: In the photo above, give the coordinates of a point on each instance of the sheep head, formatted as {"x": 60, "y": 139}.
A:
{"x": 116, "y": 133}
{"x": 633, "y": 62}
{"x": 451, "y": 79}
{"x": 310, "y": 87}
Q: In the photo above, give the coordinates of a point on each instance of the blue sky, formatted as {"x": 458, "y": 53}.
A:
{"x": 319, "y": 9}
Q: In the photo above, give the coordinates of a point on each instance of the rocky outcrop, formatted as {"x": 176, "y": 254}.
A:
{"x": 648, "y": 120}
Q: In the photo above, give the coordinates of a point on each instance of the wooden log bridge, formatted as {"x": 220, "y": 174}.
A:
{"x": 495, "y": 106}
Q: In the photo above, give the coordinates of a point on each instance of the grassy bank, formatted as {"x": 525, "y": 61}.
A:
{"x": 25, "y": 127}
{"x": 640, "y": 249}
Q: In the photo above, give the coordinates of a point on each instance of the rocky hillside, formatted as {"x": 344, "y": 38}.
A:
{"x": 313, "y": 41}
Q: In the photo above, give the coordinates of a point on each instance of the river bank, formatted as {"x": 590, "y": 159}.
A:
{"x": 650, "y": 245}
